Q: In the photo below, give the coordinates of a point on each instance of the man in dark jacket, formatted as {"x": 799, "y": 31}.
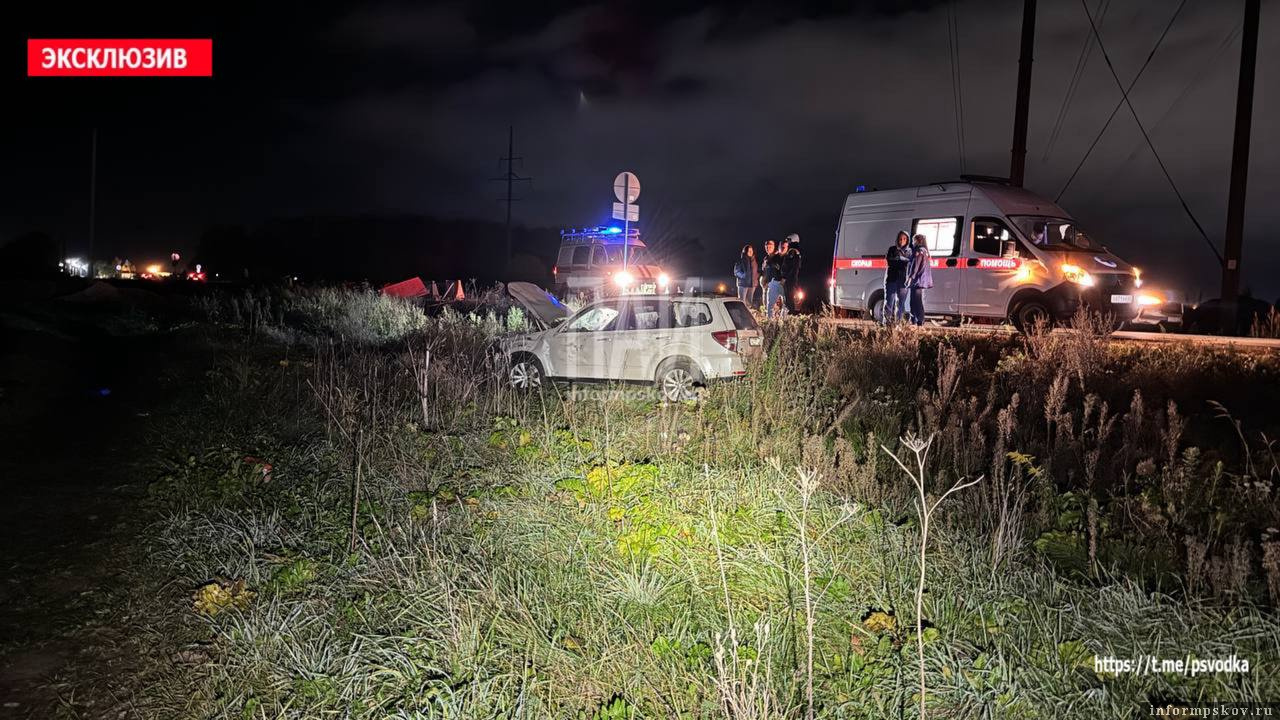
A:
{"x": 791, "y": 270}
{"x": 770, "y": 248}
{"x": 898, "y": 259}
{"x": 774, "y": 282}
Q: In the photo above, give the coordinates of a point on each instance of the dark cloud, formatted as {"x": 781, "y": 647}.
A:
{"x": 742, "y": 120}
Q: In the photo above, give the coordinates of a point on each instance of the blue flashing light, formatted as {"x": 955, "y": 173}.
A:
{"x": 860, "y": 188}
{"x": 614, "y": 230}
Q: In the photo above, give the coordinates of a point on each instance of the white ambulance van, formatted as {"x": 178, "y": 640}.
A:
{"x": 998, "y": 253}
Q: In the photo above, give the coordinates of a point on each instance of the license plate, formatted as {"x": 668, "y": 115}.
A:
{"x": 755, "y": 340}
{"x": 647, "y": 289}
{"x": 1121, "y": 299}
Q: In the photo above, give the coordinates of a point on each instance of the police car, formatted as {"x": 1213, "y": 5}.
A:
{"x": 997, "y": 252}
{"x": 590, "y": 264}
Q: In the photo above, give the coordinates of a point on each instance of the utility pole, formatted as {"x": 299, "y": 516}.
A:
{"x": 511, "y": 178}
{"x": 93, "y": 194}
{"x": 1239, "y": 165}
{"x": 1018, "y": 163}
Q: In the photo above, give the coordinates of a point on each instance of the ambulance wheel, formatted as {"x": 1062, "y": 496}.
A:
{"x": 876, "y": 310}
{"x": 1031, "y": 314}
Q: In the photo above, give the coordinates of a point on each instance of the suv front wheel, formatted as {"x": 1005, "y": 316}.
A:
{"x": 678, "y": 380}
{"x": 525, "y": 373}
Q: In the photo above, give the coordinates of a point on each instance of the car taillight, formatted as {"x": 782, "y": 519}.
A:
{"x": 727, "y": 338}
{"x": 555, "y": 269}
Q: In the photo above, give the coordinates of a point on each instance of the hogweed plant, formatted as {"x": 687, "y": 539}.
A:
{"x": 920, "y": 448}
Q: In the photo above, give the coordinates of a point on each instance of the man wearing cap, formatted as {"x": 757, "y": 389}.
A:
{"x": 791, "y": 270}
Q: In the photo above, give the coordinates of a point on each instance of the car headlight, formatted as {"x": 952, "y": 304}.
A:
{"x": 1077, "y": 275}
{"x": 1149, "y": 299}
{"x": 623, "y": 279}
{"x": 664, "y": 279}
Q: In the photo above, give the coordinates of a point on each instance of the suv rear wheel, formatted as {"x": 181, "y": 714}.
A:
{"x": 678, "y": 380}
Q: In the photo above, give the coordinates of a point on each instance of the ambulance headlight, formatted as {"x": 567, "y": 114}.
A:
{"x": 664, "y": 280}
{"x": 623, "y": 279}
{"x": 1077, "y": 275}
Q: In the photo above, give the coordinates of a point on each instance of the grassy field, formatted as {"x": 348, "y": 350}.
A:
{"x": 355, "y": 518}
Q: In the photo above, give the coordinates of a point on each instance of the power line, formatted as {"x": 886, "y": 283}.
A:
{"x": 1082, "y": 61}
{"x": 1124, "y": 99}
{"x": 957, "y": 91}
{"x": 1205, "y": 69}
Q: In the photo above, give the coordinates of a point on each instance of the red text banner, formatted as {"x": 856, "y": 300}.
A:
{"x": 120, "y": 58}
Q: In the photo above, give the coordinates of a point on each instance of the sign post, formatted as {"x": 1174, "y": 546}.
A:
{"x": 626, "y": 187}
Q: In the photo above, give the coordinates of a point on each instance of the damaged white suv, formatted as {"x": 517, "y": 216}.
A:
{"x": 676, "y": 342}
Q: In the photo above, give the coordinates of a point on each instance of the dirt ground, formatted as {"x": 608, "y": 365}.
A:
{"x": 76, "y": 404}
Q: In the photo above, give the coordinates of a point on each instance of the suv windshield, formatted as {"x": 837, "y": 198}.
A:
{"x": 635, "y": 255}
{"x": 1053, "y": 233}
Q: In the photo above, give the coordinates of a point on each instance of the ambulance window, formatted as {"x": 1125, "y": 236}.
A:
{"x": 581, "y": 254}
{"x": 941, "y": 235}
{"x": 988, "y": 235}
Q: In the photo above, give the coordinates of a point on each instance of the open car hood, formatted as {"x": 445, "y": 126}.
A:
{"x": 539, "y": 303}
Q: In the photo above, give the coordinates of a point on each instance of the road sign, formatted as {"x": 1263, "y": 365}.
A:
{"x": 626, "y": 187}
{"x": 631, "y": 213}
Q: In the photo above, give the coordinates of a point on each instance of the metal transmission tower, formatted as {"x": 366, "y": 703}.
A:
{"x": 510, "y": 178}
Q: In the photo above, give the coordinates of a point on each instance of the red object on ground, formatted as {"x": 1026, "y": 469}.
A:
{"x": 411, "y": 288}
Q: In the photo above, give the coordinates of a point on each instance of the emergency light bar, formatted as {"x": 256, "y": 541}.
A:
{"x": 603, "y": 234}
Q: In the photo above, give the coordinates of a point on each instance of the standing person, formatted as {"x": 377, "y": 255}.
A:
{"x": 769, "y": 246}
{"x": 747, "y": 273}
{"x": 919, "y": 278}
{"x": 898, "y": 258}
{"x": 791, "y": 269}
{"x": 775, "y": 283}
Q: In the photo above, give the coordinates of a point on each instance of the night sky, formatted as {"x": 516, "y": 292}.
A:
{"x": 743, "y": 121}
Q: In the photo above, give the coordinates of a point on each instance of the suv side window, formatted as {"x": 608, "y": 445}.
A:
{"x": 989, "y": 235}
{"x": 565, "y": 257}
{"x": 581, "y": 254}
{"x": 648, "y": 314}
{"x": 691, "y": 314}
{"x": 598, "y": 255}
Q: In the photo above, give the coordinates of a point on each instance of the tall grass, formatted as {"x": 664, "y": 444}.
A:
{"x": 547, "y": 556}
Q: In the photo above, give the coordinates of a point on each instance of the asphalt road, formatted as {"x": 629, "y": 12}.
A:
{"x": 1127, "y": 335}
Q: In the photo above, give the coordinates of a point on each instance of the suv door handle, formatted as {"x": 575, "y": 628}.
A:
{"x": 951, "y": 262}
{"x": 971, "y": 262}
{"x": 663, "y": 336}
{"x": 604, "y": 339}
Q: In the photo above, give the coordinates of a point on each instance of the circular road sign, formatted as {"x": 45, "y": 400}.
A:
{"x": 626, "y": 179}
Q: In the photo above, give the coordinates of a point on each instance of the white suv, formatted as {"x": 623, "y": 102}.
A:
{"x": 677, "y": 342}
